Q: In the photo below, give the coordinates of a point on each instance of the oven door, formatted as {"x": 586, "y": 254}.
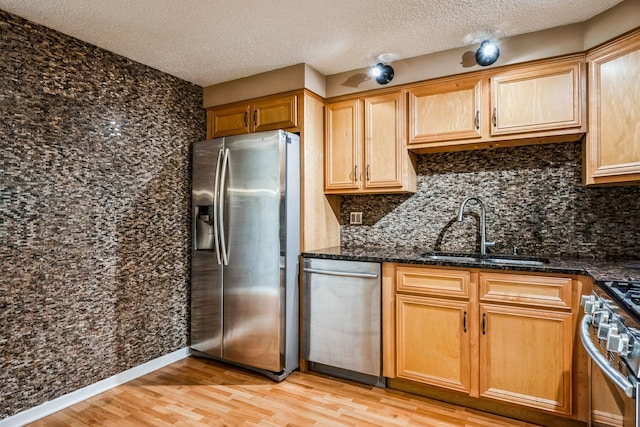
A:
{"x": 613, "y": 392}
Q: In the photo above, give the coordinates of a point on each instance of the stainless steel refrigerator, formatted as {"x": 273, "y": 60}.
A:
{"x": 245, "y": 253}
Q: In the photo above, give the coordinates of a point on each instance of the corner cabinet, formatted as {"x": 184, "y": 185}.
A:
{"x": 613, "y": 140}
{"x": 501, "y": 337}
{"x": 280, "y": 112}
{"x": 365, "y": 147}
{"x": 520, "y": 104}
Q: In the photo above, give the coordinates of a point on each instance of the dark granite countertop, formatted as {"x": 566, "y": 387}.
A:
{"x": 599, "y": 270}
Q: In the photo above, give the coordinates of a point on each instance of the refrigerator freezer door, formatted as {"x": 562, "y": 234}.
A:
{"x": 206, "y": 273}
{"x": 254, "y": 285}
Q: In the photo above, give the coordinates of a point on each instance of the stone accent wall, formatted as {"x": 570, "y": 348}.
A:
{"x": 534, "y": 200}
{"x": 94, "y": 213}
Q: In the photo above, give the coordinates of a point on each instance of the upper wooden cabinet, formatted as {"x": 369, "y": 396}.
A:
{"x": 519, "y": 104}
{"x": 546, "y": 97}
{"x": 269, "y": 113}
{"x": 343, "y": 145}
{"x": 365, "y": 147}
{"x": 613, "y": 140}
{"x": 446, "y": 111}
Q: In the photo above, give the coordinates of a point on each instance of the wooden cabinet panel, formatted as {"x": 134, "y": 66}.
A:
{"x": 279, "y": 113}
{"x": 230, "y": 121}
{"x": 433, "y": 342}
{"x": 445, "y": 111}
{"x": 613, "y": 141}
{"x": 343, "y": 147}
{"x": 537, "y": 98}
{"x": 436, "y": 282}
{"x": 383, "y": 139}
{"x": 525, "y": 357}
{"x": 548, "y": 292}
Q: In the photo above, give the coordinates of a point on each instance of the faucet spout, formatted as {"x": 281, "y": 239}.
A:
{"x": 483, "y": 228}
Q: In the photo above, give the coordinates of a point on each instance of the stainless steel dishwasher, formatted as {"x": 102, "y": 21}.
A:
{"x": 342, "y": 319}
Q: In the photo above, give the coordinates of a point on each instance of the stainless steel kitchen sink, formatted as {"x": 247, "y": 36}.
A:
{"x": 487, "y": 259}
{"x": 508, "y": 261}
{"x": 452, "y": 258}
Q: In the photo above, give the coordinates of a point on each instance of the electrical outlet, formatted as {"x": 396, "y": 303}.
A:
{"x": 355, "y": 218}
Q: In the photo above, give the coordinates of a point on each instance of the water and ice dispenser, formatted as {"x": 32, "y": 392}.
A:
{"x": 203, "y": 239}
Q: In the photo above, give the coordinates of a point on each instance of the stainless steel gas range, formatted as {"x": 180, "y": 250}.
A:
{"x": 610, "y": 332}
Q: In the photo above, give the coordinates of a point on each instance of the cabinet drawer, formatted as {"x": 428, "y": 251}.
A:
{"x": 548, "y": 292}
{"x": 451, "y": 283}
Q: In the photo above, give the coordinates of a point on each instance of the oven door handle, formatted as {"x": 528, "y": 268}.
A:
{"x": 620, "y": 380}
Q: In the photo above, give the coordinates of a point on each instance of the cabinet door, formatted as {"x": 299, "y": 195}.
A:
{"x": 230, "y": 121}
{"x": 445, "y": 111}
{"x": 432, "y": 342}
{"x": 613, "y": 141}
{"x": 279, "y": 113}
{"x": 537, "y": 98}
{"x": 343, "y": 165}
{"x": 525, "y": 357}
{"x": 384, "y": 141}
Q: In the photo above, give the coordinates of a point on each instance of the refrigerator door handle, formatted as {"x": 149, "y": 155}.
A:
{"x": 223, "y": 182}
{"x": 216, "y": 190}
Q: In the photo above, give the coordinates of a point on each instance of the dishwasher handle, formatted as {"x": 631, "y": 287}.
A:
{"x": 341, "y": 273}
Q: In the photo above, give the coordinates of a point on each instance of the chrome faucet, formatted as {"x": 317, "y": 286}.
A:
{"x": 483, "y": 229}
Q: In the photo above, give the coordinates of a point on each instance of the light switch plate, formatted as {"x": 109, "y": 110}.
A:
{"x": 355, "y": 218}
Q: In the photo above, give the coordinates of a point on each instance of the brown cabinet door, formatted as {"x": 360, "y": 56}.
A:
{"x": 279, "y": 113}
{"x": 537, "y": 98}
{"x": 230, "y": 121}
{"x": 446, "y": 111}
{"x": 384, "y": 141}
{"x": 343, "y": 146}
{"x": 433, "y": 342}
{"x": 613, "y": 141}
{"x": 525, "y": 357}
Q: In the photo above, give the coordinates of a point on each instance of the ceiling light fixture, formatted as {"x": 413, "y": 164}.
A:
{"x": 487, "y": 53}
{"x": 382, "y": 73}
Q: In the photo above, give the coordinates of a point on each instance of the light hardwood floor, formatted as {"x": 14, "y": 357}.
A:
{"x": 200, "y": 392}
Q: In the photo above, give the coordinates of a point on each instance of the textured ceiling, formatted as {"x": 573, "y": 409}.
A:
{"x": 211, "y": 41}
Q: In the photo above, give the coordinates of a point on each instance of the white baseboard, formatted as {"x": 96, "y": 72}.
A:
{"x": 48, "y": 408}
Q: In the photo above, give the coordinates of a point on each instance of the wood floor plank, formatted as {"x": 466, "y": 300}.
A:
{"x": 196, "y": 392}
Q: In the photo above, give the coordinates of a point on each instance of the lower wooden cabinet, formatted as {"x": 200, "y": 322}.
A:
{"x": 525, "y": 357}
{"x": 500, "y": 336}
{"x": 433, "y": 342}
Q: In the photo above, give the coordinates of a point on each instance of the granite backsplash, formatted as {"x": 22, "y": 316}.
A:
{"x": 94, "y": 213}
{"x": 534, "y": 200}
